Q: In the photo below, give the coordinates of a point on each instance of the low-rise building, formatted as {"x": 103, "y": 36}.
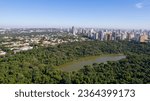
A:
{"x": 2, "y": 53}
{"x": 25, "y": 48}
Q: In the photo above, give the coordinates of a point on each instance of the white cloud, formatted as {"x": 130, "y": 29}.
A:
{"x": 139, "y": 5}
{"x": 143, "y": 4}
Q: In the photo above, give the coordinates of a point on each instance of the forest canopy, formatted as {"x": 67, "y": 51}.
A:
{"x": 37, "y": 66}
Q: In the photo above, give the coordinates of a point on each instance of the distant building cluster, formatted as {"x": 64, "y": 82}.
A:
{"x": 114, "y": 35}
{"x": 92, "y": 33}
{"x": 23, "y": 39}
{"x": 72, "y": 30}
{"x": 17, "y": 40}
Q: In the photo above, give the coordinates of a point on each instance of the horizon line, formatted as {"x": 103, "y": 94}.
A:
{"x": 29, "y": 27}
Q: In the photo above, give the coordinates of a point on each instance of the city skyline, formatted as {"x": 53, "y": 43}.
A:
{"x": 124, "y": 14}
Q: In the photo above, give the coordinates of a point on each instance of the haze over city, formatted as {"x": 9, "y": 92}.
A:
{"x": 133, "y": 14}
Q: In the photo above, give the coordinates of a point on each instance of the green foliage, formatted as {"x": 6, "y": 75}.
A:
{"x": 37, "y": 66}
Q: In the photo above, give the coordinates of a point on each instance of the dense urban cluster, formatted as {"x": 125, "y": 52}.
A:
{"x": 107, "y": 35}
{"x": 23, "y": 39}
{"x": 13, "y": 41}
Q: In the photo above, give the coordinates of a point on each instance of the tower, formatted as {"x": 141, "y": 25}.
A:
{"x": 73, "y": 30}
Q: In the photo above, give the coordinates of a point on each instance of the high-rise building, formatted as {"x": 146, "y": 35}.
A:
{"x": 101, "y": 35}
{"x": 73, "y": 30}
{"x": 92, "y": 31}
{"x": 114, "y": 35}
{"x": 95, "y": 36}
{"x": 123, "y": 36}
{"x": 137, "y": 37}
{"x": 143, "y": 38}
{"x": 130, "y": 36}
{"x": 108, "y": 36}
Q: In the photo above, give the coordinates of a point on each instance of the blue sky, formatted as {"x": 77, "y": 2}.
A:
{"x": 80, "y": 13}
